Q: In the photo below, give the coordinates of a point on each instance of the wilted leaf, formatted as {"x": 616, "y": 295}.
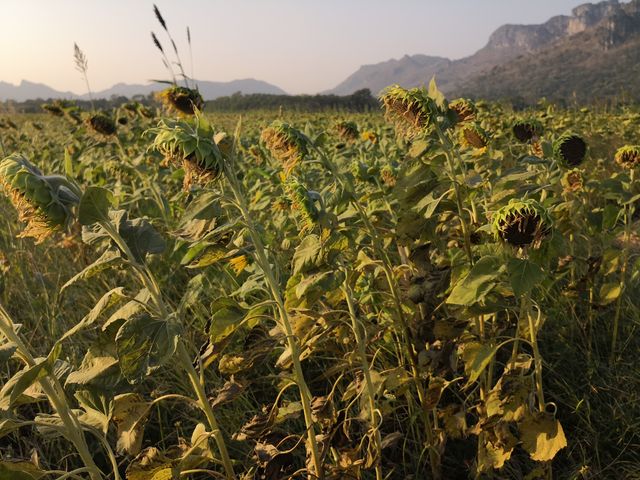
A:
{"x": 609, "y": 292}
{"x": 130, "y": 412}
{"x": 542, "y": 436}
{"x": 307, "y": 254}
{"x": 16, "y": 385}
{"x": 476, "y": 357}
{"x": 144, "y": 344}
{"x": 478, "y": 282}
{"x": 229, "y": 392}
{"x": 19, "y": 470}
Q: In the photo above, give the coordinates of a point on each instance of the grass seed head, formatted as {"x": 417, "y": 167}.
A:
{"x": 522, "y": 223}
{"x": 182, "y": 100}
{"x": 286, "y": 144}
{"x": 570, "y": 150}
{"x": 527, "y": 131}
{"x": 628, "y": 156}
{"x": 412, "y": 111}
{"x": 44, "y": 202}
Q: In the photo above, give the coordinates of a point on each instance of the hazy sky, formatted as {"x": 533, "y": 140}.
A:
{"x": 302, "y": 46}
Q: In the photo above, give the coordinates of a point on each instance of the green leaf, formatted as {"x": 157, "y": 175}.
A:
{"x": 609, "y": 292}
{"x": 108, "y": 299}
{"x": 474, "y": 287}
{"x": 476, "y": 357}
{"x": 307, "y": 254}
{"x": 140, "y": 236}
{"x": 98, "y": 368}
{"x": 19, "y": 470}
{"x": 94, "y": 205}
{"x": 227, "y": 316}
{"x": 523, "y": 275}
{"x": 22, "y": 380}
{"x": 107, "y": 259}
{"x": 6, "y": 351}
{"x": 144, "y": 344}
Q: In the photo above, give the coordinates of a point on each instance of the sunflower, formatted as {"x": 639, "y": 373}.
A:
{"x": 522, "y": 223}
{"x": 474, "y": 136}
{"x": 190, "y": 144}
{"x": 628, "y": 156}
{"x": 464, "y": 109}
{"x": 347, "y": 131}
{"x": 527, "y": 131}
{"x": 286, "y": 144}
{"x": 45, "y": 203}
{"x": 570, "y": 150}
{"x": 101, "y": 124}
{"x": 412, "y": 111}
{"x": 181, "y": 99}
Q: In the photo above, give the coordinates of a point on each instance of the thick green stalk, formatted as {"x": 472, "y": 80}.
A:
{"x": 265, "y": 266}
{"x": 412, "y": 355}
{"x": 148, "y": 280}
{"x": 623, "y": 274}
{"x": 205, "y": 406}
{"x": 364, "y": 363}
{"x": 71, "y": 424}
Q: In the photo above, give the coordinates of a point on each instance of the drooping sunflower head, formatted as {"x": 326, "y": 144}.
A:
{"x": 101, "y": 124}
{"x": 347, "y": 131}
{"x": 474, "y": 136}
{"x": 522, "y": 223}
{"x": 286, "y": 144}
{"x": 572, "y": 180}
{"x": 301, "y": 202}
{"x": 53, "y": 108}
{"x": 45, "y": 203}
{"x": 412, "y": 111}
{"x": 570, "y": 150}
{"x": 464, "y": 109}
{"x": 628, "y": 156}
{"x": 181, "y": 100}
{"x": 190, "y": 144}
{"x": 527, "y": 131}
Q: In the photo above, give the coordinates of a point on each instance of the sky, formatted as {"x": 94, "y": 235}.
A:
{"x": 302, "y": 46}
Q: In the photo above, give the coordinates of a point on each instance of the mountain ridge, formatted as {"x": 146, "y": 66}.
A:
{"x": 515, "y": 50}
{"x": 210, "y": 90}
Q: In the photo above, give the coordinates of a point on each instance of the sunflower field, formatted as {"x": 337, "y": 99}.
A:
{"x": 441, "y": 289}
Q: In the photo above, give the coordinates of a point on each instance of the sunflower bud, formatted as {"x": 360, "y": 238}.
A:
{"x": 412, "y": 111}
{"x": 527, "y": 131}
{"x": 522, "y": 223}
{"x": 474, "y": 136}
{"x": 570, "y": 150}
{"x": 628, "y": 156}
{"x": 181, "y": 100}
{"x": 101, "y": 124}
{"x": 286, "y": 144}
{"x": 347, "y": 131}
{"x": 190, "y": 144}
{"x": 44, "y": 202}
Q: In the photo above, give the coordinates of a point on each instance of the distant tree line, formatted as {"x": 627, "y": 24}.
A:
{"x": 35, "y": 106}
{"x": 359, "y": 101}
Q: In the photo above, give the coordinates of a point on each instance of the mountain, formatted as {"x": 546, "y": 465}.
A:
{"x": 29, "y": 90}
{"x": 595, "y": 50}
{"x": 209, "y": 90}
